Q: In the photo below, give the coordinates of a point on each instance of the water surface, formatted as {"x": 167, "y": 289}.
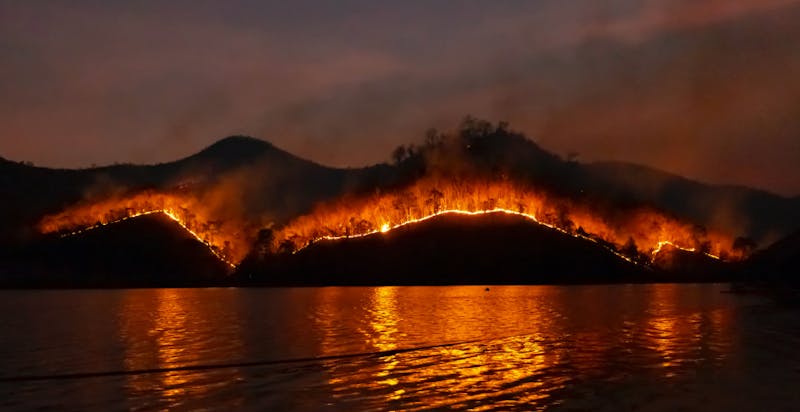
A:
{"x": 621, "y": 347}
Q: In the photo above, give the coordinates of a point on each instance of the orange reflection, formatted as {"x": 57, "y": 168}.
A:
{"x": 513, "y": 346}
{"x": 447, "y": 376}
{"x": 678, "y": 337}
{"x": 169, "y": 328}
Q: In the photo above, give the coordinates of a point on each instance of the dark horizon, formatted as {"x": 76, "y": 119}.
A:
{"x": 703, "y": 90}
{"x": 384, "y": 161}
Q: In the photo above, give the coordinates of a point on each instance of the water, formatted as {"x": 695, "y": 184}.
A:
{"x": 623, "y": 347}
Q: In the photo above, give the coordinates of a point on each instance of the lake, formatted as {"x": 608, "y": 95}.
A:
{"x": 605, "y": 347}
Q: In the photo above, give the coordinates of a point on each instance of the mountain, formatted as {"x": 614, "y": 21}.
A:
{"x": 255, "y": 175}
{"x": 779, "y": 262}
{"x": 267, "y": 186}
{"x": 146, "y": 251}
{"x": 497, "y": 151}
{"x": 448, "y": 249}
{"x": 758, "y": 214}
{"x": 269, "y": 183}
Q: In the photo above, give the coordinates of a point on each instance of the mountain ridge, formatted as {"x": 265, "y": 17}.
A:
{"x": 249, "y": 179}
{"x": 272, "y": 182}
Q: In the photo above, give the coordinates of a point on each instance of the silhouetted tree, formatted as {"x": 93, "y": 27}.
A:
{"x": 404, "y": 202}
{"x": 435, "y": 200}
{"x": 433, "y": 138}
{"x": 474, "y": 128}
{"x": 699, "y": 234}
{"x": 502, "y": 128}
{"x": 562, "y": 219}
{"x": 399, "y": 154}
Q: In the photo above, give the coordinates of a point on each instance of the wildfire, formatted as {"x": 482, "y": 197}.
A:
{"x": 228, "y": 239}
{"x": 634, "y": 235}
{"x": 643, "y": 232}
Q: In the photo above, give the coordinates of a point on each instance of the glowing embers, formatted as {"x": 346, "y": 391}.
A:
{"x": 635, "y": 234}
{"x": 664, "y": 243}
{"x": 385, "y": 228}
{"x": 225, "y": 238}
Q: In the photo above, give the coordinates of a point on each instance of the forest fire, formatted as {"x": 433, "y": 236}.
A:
{"x": 228, "y": 239}
{"x": 634, "y": 235}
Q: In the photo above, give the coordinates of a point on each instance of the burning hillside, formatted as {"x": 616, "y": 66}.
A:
{"x": 477, "y": 170}
{"x": 229, "y": 239}
{"x": 636, "y": 233}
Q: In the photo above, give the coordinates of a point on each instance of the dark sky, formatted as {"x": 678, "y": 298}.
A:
{"x": 708, "y": 89}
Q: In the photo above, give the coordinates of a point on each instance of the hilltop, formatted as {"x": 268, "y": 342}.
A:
{"x": 264, "y": 180}
{"x": 250, "y": 180}
{"x": 148, "y": 251}
{"x": 449, "y": 249}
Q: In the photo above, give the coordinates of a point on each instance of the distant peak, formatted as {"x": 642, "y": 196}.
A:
{"x": 237, "y": 146}
{"x": 240, "y": 141}
{"x": 237, "y": 149}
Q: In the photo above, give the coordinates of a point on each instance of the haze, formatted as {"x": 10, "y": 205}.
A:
{"x": 706, "y": 89}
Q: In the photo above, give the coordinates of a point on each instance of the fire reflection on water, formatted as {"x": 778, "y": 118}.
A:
{"x": 443, "y": 376}
{"x": 518, "y": 348}
{"x": 617, "y": 347}
{"x": 678, "y": 338}
{"x": 170, "y": 328}
{"x": 411, "y": 348}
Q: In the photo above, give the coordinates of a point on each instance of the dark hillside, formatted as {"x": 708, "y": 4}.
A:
{"x": 148, "y": 251}
{"x": 496, "y": 248}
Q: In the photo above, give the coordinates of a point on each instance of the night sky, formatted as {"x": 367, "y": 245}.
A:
{"x": 707, "y": 89}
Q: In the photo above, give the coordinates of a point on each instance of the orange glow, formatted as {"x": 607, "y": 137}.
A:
{"x": 229, "y": 239}
{"x": 429, "y": 197}
{"x": 172, "y": 328}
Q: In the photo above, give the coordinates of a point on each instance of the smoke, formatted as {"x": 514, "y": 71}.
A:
{"x": 704, "y": 89}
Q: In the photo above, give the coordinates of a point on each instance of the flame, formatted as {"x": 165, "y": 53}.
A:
{"x": 664, "y": 243}
{"x": 231, "y": 239}
{"x": 228, "y": 239}
{"x": 352, "y": 217}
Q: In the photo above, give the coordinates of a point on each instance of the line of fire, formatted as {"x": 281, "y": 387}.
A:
{"x": 635, "y": 234}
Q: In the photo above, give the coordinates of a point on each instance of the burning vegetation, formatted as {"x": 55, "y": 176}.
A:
{"x": 636, "y": 234}
{"x": 480, "y": 169}
{"x": 228, "y": 239}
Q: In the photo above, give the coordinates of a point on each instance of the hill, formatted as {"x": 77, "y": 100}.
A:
{"x": 266, "y": 183}
{"x": 147, "y": 251}
{"x": 779, "y": 262}
{"x": 242, "y": 179}
{"x": 449, "y": 249}
{"x": 750, "y": 212}
{"x": 256, "y": 177}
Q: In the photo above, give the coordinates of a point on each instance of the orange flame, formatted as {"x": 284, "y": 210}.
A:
{"x": 356, "y": 216}
{"x": 228, "y": 239}
{"x": 428, "y": 197}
